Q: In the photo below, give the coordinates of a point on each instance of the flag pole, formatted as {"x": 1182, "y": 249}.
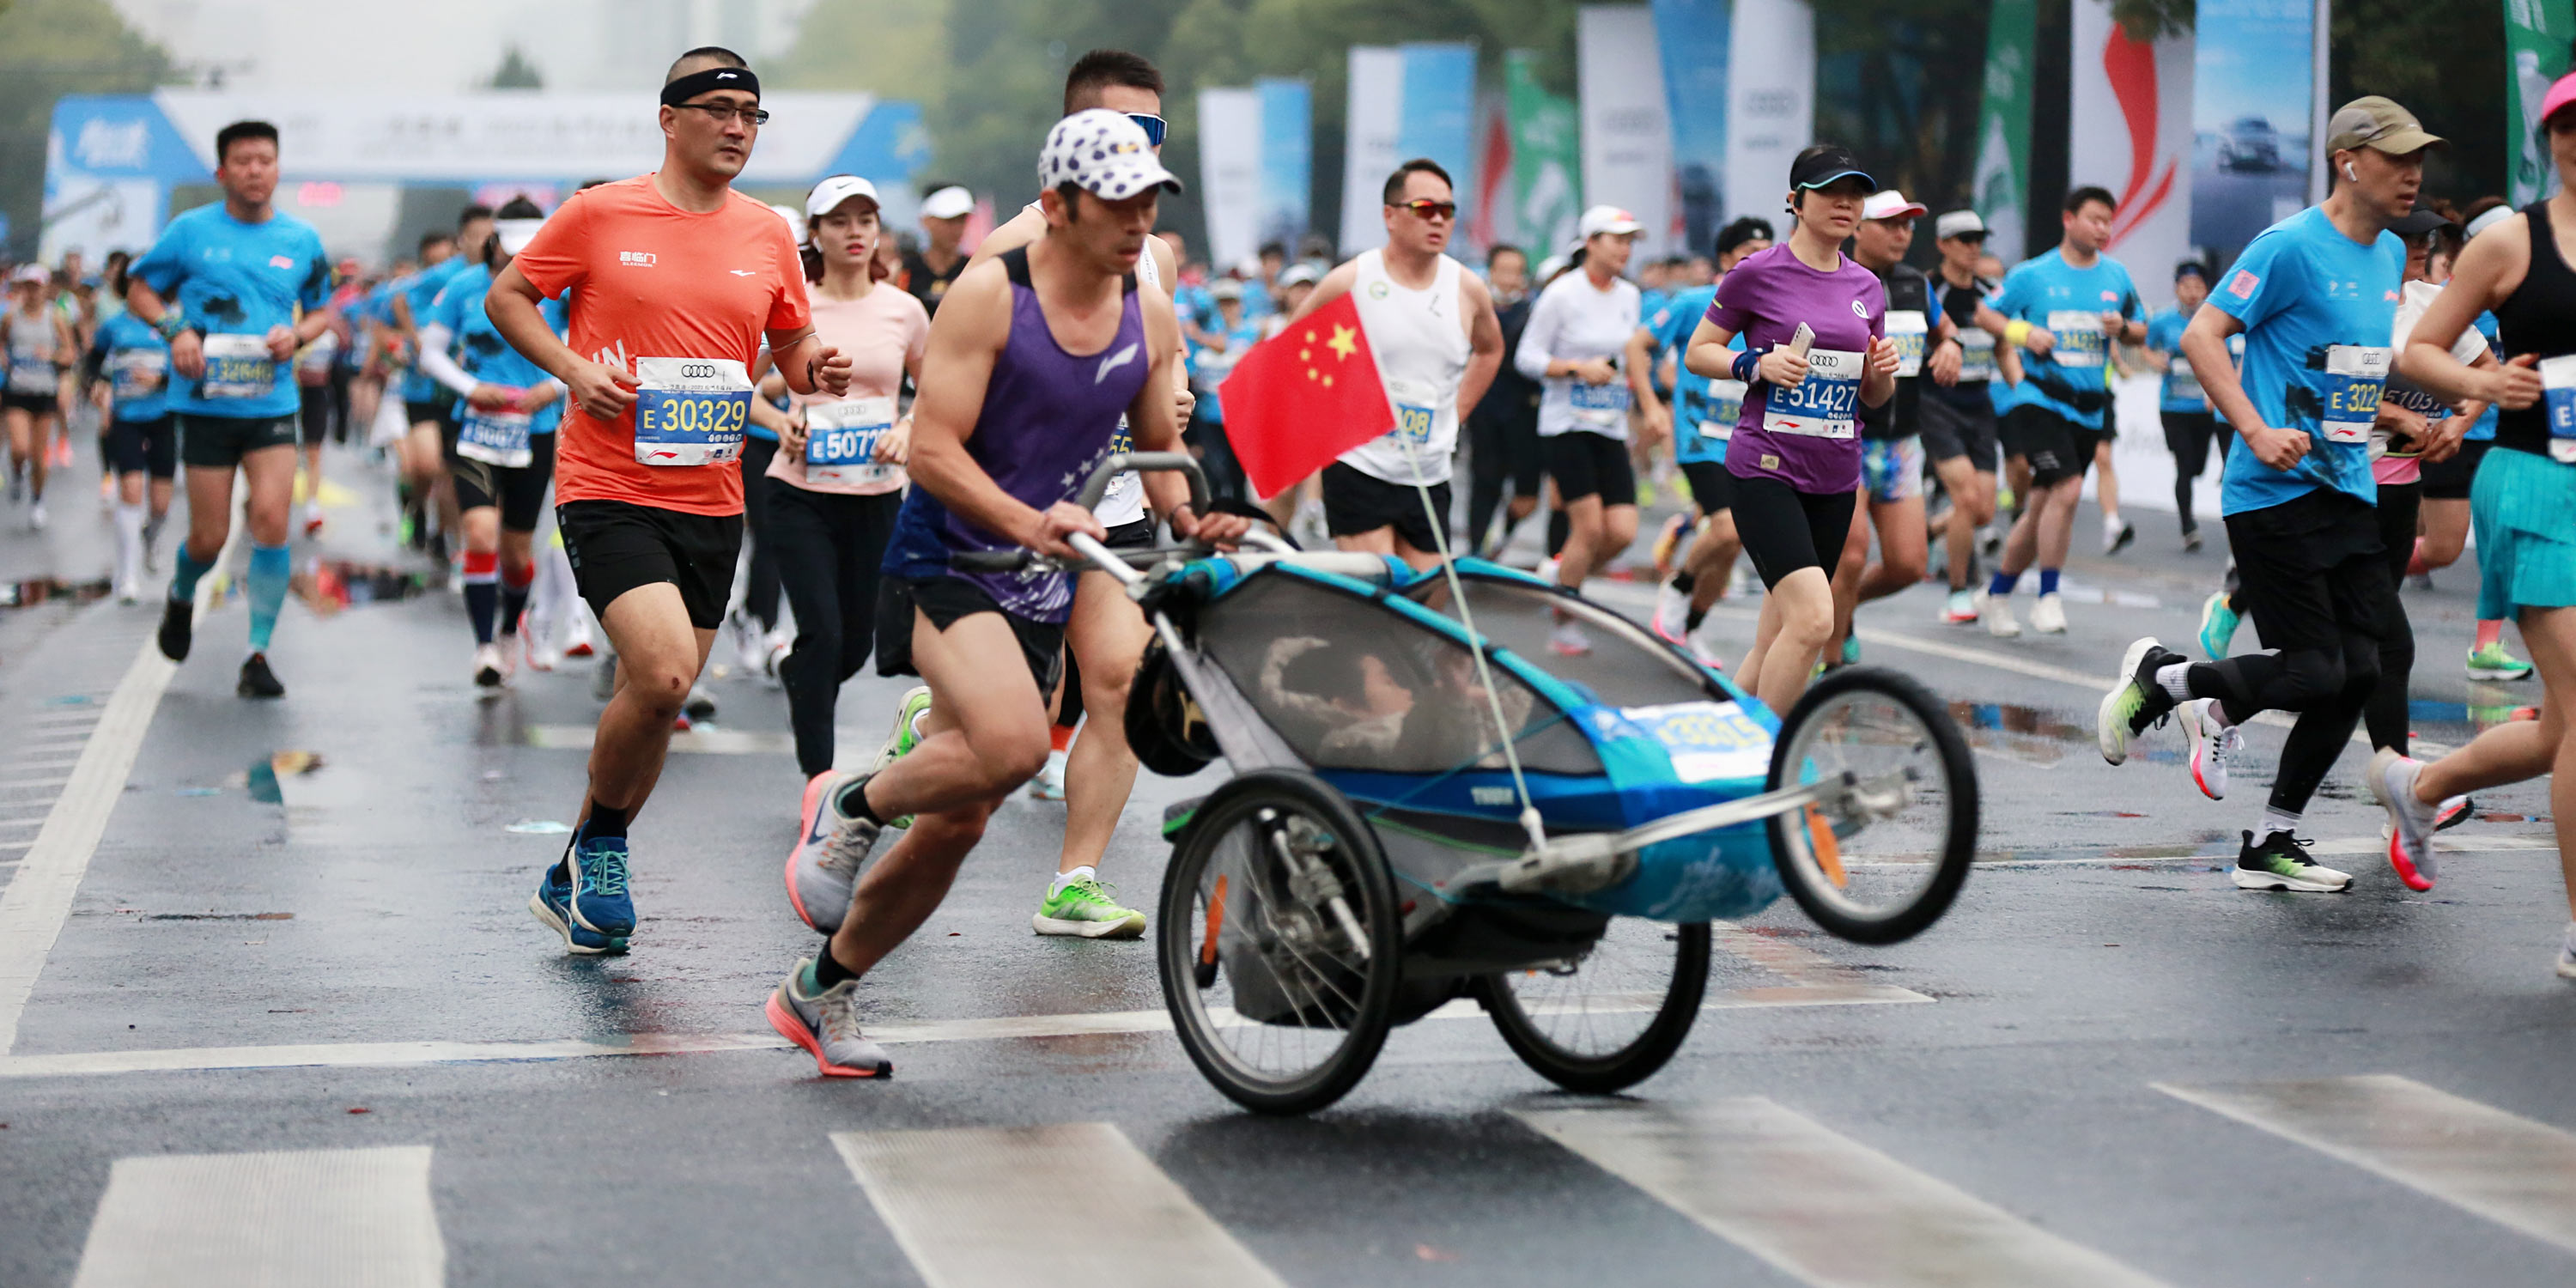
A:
{"x": 1530, "y": 821}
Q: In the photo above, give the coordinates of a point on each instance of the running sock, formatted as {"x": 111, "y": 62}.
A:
{"x": 269, "y": 568}
{"x": 854, "y": 801}
{"x": 1062, "y": 879}
{"x": 2048, "y": 581}
{"x": 514, "y": 595}
{"x": 482, "y": 593}
{"x": 2275, "y": 822}
{"x": 185, "y": 573}
{"x": 2175, "y": 679}
{"x": 1692, "y": 619}
{"x": 129, "y": 541}
{"x": 603, "y": 824}
{"x": 1683, "y": 581}
{"x": 828, "y": 970}
{"x": 2490, "y": 633}
{"x": 2002, "y": 586}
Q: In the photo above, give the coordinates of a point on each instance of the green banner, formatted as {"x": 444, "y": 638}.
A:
{"x": 2535, "y": 54}
{"x": 2003, "y": 124}
{"x": 1547, "y": 158}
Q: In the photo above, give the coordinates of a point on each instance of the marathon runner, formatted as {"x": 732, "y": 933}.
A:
{"x": 429, "y": 453}
{"x": 2521, "y": 499}
{"x": 40, "y": 344}
{"x": 1927, "y": 342}
{"x": 509, "y": 409}
{"x": 1577, "y": 334}
{"x": 1502, "y": 428}
{"x": 316, "y": 416}
{"x": 2446, "y": 496}
{"x": 1958, "y": 419}
{"x": 1704, "y": 413}
{"x": 2062, "y": 309}
{"x": 129, "y": 367}
{"x": 931, "y": 270}
{"x": 1814, "y": 328}
{"x": 2315, "y": 297}
{"x": 2189, "y": 423}
{"x": 1032, "y": 360}
{"x": 1430, "y": 324}
{"x": 675, "y": 279}
{"x": 234, "y": 287}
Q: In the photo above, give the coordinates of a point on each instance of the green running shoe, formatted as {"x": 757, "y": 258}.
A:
{"x": 904, "y": 737}
{"x": 2281, "y": 862}
{"x": 2217, "y": 626}
{"x": 1085, "y": 908}
{"x": 2137, "y": 701}
{"x": 2493, "y": 663}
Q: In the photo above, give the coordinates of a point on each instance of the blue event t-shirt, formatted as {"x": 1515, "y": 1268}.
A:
{"x": 229, "y": 278}
{"x": 1694, "y": 404}
{"x": 477, "y": 344}
{"x": 1813, "y": 444}
{"x": 422, "y": 289}
{"x": 136, "y": 365}
{"x": 2164, "y": 335}
{"x": 2484, "y": 430}
{"x": 2046, "y": 291}
{"x": 2318, "y": 309}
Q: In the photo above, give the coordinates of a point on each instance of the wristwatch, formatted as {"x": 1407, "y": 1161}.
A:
{"x": 170, "y": 325}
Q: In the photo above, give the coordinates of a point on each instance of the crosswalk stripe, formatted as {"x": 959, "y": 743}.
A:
{"x": 980, "y": 1206}
{"x": 276, "y": 1220}
{"x": 1817, "y": 1204}
{"x": 2501, "y": 1166}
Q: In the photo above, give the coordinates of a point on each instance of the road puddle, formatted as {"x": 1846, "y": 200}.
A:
{"x": 50, "y": 590}
{"x": 333, "y": 585}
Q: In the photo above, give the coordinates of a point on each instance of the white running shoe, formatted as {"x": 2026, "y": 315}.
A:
{"x": 1547, "y": 569}
{"x": 2048, "y": 616}
{"x": 1568, "y": 640}
{"x": 1672, "y": 613}
{"x": 36, "y": 517}
{"x": 2567, "y": 953}
{"x": 128, "y": 592}
{"x": 2410, "y": 850}
{"x": 577, "y": 640}
{"x": 1049, "y": 784}
{"x": 541, "y": 655}
{"x": 2214, "y": 746}
{"x": 1997, "y": 614}
{"x": 774, "y": 649}
{"x": 489, "y": 668}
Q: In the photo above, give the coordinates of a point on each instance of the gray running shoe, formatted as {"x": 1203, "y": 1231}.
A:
{"x": 825, "y": 1021}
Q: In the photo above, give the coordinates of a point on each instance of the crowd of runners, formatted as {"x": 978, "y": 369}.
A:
{"x": 665, "y": 414}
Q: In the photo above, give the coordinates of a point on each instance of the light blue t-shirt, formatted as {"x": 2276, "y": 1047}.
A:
{"x": 2069, "y": 301}
{"x": 478, "y": 347}
{"x": 1217, "y": 364}
{"x": 2164, "y": 335}
{"x": 135, "y": 362}
{"x": 422, "y": 289}
{"x": 1693, "y": 402}
{"x": 2318, "y": 309}
{"x": 2484, "y": 430}
{"x": 233, "y": 282}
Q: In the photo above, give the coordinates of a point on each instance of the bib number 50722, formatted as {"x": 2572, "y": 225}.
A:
{"x": 690, "y": 411}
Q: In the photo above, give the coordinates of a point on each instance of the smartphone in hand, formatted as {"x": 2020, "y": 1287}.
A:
{"x": 1801, "y": 339}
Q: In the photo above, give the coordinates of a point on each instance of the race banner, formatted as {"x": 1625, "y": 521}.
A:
{"x": 2003, "y": 126}
{"x": 2535, "y": 52}
{"x": 1287, "y": 159}
{"x": 1547, "y": 159}
{"x": 1496, "y": 221}
{"x": 1230, "y": 172}
{"x": 1439, "y": 117}
{"x": 2253, "y": 68}
{"x": 1770, "y": 101}
{"x": 1627, "y": 146}
{"x": 1371, "y": 121}
{"x": 2129, "y": 130}
{"x": 1693, "y": 36}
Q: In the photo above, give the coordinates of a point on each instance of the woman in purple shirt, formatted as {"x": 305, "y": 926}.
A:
{"x": 1796, "y": 451}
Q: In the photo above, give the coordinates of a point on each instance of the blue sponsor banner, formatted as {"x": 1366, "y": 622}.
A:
{"x": 1692, "y": 37}
{"x": 2252, "y": 70}
{"x": 1287, "y": 159}
{"x": 1439, "y": 115}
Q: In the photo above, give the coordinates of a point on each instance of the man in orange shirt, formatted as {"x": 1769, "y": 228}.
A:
{"x": 676, "y": 278}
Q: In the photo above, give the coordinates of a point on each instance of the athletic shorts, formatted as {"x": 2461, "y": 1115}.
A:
{"x": 32, "y": 404}
{"x": 2312, "y": 571}
{"x": 313, "y": 414}
{"x": 519, "y": 492}
{"x": 423, "y": 411}
{"x": 1784, "y": 529}
{"x": 1356, "y": 502}
{"x": 1962, "y": 428}
{"x": 945, "y": 600}
{"x": 143, "y": 447}
{"x": 451, "y": 431}
{"x": 2450, "y": 480}
{"x": 2058, "y": 449}
{"x": 1892, "y": 469}
{"x": 1712, "y": 488}
{"x": 2526, "y": 552}
{"x": 1587, "y": 464}
{"x": 616, "y": 546}
{"x": 220, "y": 442}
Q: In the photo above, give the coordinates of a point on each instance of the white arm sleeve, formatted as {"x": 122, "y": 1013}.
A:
{"x": 1533, "y": 356}
{"x": 442, "y": 368}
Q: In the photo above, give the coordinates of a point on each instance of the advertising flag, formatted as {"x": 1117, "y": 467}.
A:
{"x": 1303, "y": 397}
{"x": 2003, "y": 126}
{"x": 1627, "y": 145}
{"x": 2253, "y": 65}
{"x": 1770, "y": 100}
{"x": 2535, "y": 52}
{"x": 1547, "y": 158}
{"x": 1372, "y": 120}
{"x": 1693, "y": 36}
{"x": 1439, "y": 117}
{"x": 1230, "y": 171}
{"x": 2129, "y": 130}
{"x": 1287, "y": 159}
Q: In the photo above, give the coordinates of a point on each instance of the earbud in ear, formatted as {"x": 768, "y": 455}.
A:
{"x": 2350, "y": 173}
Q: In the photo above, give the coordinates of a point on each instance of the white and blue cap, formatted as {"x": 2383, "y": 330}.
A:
{"x": 1102, "y": 153}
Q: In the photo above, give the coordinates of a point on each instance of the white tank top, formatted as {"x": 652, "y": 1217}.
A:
{"x": 1125, "y": 500}
{"x": 1421, "y": 350}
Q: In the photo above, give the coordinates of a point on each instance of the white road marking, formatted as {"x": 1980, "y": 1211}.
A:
{"x": 317, "y": 1218}
{"x": 2504, "y": 1167}
{"x": 701, "y": 739}
{"x": 1817, "y": 1204}
{"x": 980, "y": 1207}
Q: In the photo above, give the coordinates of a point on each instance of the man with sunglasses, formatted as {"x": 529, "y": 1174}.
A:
{"x": 1432, "y": 329}
{"x": 675, "y": 280}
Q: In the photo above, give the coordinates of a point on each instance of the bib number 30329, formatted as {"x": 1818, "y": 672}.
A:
{"x": 2558, "y": 393}
{"x": 238, "y": 366}
{"x": 690, "y": 411}
{"x": 841, "y": 441}
{"x": 1824, "y": 404}
{"x": 2355, "y": 375}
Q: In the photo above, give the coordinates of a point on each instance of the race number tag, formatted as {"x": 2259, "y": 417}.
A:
{"x": 1416, "y": 407}
{"x": 238, "y": 366}
{"x": 2181, "y": 383}
{"x": 2080, "y": 338}
{"x": 1822, "y": 405}
{"x": 495, "y": 437}
{"x": 138, "y": 373}
{"x": 841, "y": 441}
{"x": 2558, "y": 391}
{"x": 2355, "y": 375}
{"x": 690, "y": 411}
{"x": 1909, "y": 330}
{"x": 31, "y": 376}
{"x": 1706, "y": 740}
{"x": 1603, "y": 409}
{"x": 1976, "y": 355}
{"x": 1725, "y": 408}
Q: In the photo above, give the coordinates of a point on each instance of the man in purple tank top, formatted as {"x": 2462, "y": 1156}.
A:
{"x": 1032, "y": 359}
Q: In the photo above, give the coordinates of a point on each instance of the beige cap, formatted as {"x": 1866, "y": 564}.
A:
{"x": 2374, "y": 122}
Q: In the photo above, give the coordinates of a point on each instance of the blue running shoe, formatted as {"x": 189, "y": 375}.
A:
{"x": 2217, "y": 626}
{"x": 552, "y": 903}
{"x": 600, "y": 903}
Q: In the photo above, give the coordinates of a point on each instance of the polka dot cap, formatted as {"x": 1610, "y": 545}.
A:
{"x": 1104, "y": 154}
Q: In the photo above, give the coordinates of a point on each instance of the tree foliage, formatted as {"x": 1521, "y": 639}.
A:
{"x": 50, "y": 48}
{"x": 515, "y": 72}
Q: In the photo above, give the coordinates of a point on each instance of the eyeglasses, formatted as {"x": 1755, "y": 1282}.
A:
{"x": 1429, "y": 209}
{"x": 1154, "y": 127}
{"x": 725, "y": 112}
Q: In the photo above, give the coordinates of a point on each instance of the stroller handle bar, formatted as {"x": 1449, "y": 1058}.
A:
{"x": 1119, "y": 564}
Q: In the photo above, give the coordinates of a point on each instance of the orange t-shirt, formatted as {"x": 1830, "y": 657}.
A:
{"x": 650, "y": 280}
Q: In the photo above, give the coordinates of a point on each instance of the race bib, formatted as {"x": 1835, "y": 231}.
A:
{"x": 31, "y": 376}
{"x": 1824, "y": 404}
{"x": 690, "y": 411}
{"x": 1601, "y": 408}
{"x": 2080, "y": 339}
{"x": 1976, "y": 355}
{"x": 1725, "y": 407}
{"x": 238, "y": 366}
{"x": 1416, "y": 407}
{"x": 1706, "y": 740}
{"x": 495, "y": 437}
{"x": 1908, "y": 330}
{"x": 841, "y": 441}
{"x": 138, "y": 373}
{"x": 313, "y": 362}
{"x": 2355, "y": 375}
{"x": 2181, "y": 383}
{"x": 2558, "y": 392}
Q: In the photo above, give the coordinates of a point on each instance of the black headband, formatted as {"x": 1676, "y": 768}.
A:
{"x": 699, "y": 82}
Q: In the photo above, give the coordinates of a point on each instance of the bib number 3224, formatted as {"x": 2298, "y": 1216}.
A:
{"x": 690, "y": 411}
{"x": 2355, "y": 376}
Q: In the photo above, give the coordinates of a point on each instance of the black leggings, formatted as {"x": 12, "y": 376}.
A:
{"x": 828, "y": 547}
{"x": 2188, "y": 434}
{"x": 760, "y": 593}
{"x": 2386, "y": 714}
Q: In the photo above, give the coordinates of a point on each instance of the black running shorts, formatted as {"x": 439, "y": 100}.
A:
{"x": 616, "y": 546}
{"x": 518, "y": 492}
{"x": 1356, "y": 502}
{"x": 1784, "y": 529}
{"x": 946, "y": 600}
{"x": 1587, "y": 464}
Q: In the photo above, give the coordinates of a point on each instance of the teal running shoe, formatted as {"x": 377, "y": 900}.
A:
{"x": 2217, "y": 626}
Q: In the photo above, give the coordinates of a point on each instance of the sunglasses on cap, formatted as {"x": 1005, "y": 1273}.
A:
{"x": 1153, "y": 126}
{"x": 1429, "y": 209}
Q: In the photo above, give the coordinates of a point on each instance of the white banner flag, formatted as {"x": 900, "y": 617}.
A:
{"x": 1627, "y": 139}
{"x": 2129, "y": 130}
{"x": 1230, "y": 172}
{"x": 1374, "y": 122}
{"x": 1770, "y": 102}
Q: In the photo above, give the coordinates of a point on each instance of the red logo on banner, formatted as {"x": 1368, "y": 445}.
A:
{"x": 2130, "y": 66}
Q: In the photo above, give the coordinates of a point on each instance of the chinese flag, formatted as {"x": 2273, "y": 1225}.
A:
{"x": 1303, "y": 397}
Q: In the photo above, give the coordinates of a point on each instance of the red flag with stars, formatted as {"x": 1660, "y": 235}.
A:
{"x": 1303, "y": 397}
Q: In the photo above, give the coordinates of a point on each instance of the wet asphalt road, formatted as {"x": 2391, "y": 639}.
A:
{"x": 2032, "y": 1105}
